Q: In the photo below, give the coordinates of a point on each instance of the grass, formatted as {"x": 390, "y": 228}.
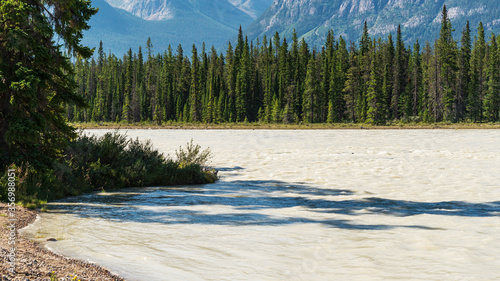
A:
{"x": 273, "y": 126}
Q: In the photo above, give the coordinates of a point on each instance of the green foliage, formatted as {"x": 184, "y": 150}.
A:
{"x": 492, "y": 99}
{"x": 36, "y": 77}
{"x": 113, "y": 161}
{"x": 110, "y": 162}
{"x": 377, "y": 81}
{"x": 447, "y": 58}
{"x": 193, "y": 155}
{"x": 383, "y": 15}
{"x": 376, "y": 114}
{"x": 37, "y": 81}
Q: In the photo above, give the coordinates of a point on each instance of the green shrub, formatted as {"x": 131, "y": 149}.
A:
{"x": 110, "y": 162}
{"x": 193, "y": 155}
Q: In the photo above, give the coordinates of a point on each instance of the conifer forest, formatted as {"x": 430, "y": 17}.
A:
{"x": 275, "y": 80}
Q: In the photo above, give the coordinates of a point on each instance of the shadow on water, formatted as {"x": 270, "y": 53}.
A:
{"x": 248, "y": 201}
{"x": 230, "y": 169}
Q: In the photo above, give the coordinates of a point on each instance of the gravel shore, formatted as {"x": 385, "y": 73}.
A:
{"x": 33, "y": 261}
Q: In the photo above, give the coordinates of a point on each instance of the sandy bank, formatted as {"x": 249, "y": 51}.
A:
{"x": 35, "y": 262}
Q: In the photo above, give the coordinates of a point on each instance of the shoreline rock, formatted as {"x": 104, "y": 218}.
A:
{"x": 35, "y": 262}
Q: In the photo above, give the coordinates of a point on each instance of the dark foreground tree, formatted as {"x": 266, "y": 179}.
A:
{"x": 36, "y": 77}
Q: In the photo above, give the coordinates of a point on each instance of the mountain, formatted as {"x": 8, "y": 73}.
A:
{"x": 419, "y": 19}
{"x": 124, "y": 24}
{"x": 148, "y": 10}
{"x": 254, "y": 8}
{"x": 221, "y": 11}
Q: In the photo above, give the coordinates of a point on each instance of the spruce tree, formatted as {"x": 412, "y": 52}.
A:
{"x": 231, "y": 76}
{"x": 464, "y": 75}
{"x": 447, "y": 52}
{"x": 364, "y": 71}
{"x": 36, "y": 78}
{"x": 492, "y": 98}
{"x": 273, "y": 82}
{"x": 339, "y": 74}
{"x": 375, "y": 97}
{"x": 388, "y": 76}
{"x": 415, "y": 96}
{"x": 400, "y": 76}
{"x": 194, "y": 92}
{"x": 352, "y": 87}
{"x": 478, "y": 76}
{"x": 303, "y": 60}
{"x": 310, "y": 99}
{"x": 129, "y": 78}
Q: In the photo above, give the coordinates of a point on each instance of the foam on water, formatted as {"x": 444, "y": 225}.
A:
{"x": 301, "y": 205}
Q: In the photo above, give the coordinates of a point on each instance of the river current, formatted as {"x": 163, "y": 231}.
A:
{"x": 300, "y": 205}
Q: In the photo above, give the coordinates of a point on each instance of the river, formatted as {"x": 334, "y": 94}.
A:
{"x": 300, "y": 205}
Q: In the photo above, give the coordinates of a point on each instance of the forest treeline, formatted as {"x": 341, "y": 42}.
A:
{"x": 276, "y": 81}
{"x": 42, "y": 157}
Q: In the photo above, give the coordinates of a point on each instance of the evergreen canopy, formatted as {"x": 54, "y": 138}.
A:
{"x": 282, "y": 81}
{"x": 36, "y": 77}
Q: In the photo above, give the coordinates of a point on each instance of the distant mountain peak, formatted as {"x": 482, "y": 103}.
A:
{"x": 146, "y": 9}
{"x": 419, "y": 19}
{"x": 156, "y": 10}
{"x": 253, "y": 8}
{"x": 122, "y": 24}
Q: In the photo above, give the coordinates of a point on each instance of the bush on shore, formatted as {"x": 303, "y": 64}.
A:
{"x": 109, "y": 162}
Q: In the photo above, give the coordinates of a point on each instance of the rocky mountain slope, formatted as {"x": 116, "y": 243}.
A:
{"x": 254, "y": 8}
{"x": 124, "y": 24}
{"x": 221, "y": 11}
{"x": 419, "y": 19}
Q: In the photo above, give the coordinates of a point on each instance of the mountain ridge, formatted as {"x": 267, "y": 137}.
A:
{"x": 254, "y": 8}
{"x": 419, "y": 19}
{"x": 167, "y": 22}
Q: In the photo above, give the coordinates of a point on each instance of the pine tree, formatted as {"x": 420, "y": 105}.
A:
{"x": 276, "y": 42}
{"x": 181, "y": 80}
{"x": 375, "y": 95}
{"x": 242, "y": 91}
{"x": 416, "y": 82}
{"x": 478, "y": 76}
{"x": 297, "y": 80}
{"x": 434, "y": 89}
{"x": 100, "y": 58}
{"x": 339, "y": 73}
{"x": 331, "y": 114}
{"x": 276, "y": 112}
{"x": 464, "y": 78}
{"x": 447, "y": 52}
{"x": 127, "y": 108}
{"x": 328, "y": 54}
{"x": 352, "y": 85}
{"x": 364, "y": 69}
{"x": 148, "y": 99}
{"x": 365, "y": 43}
{"x": 232, "y": 73}
{"x": 303, "y": 61}
{"x": 311, "y": 93}
{"x": 238, "y": 50}
{"x": 388, "y": 77}
{"x": 492, "y": 98}
{"x": 194, "y": 96}
{"x": 273, "y": 82}
{"x": 37, "y": 78}
{"x": 400, "y": 76}
{"x": 139, "y": 96}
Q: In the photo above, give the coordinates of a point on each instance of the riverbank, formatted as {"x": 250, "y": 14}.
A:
{"x": 34, "y": 262}
{"x": 264, "y": 126}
